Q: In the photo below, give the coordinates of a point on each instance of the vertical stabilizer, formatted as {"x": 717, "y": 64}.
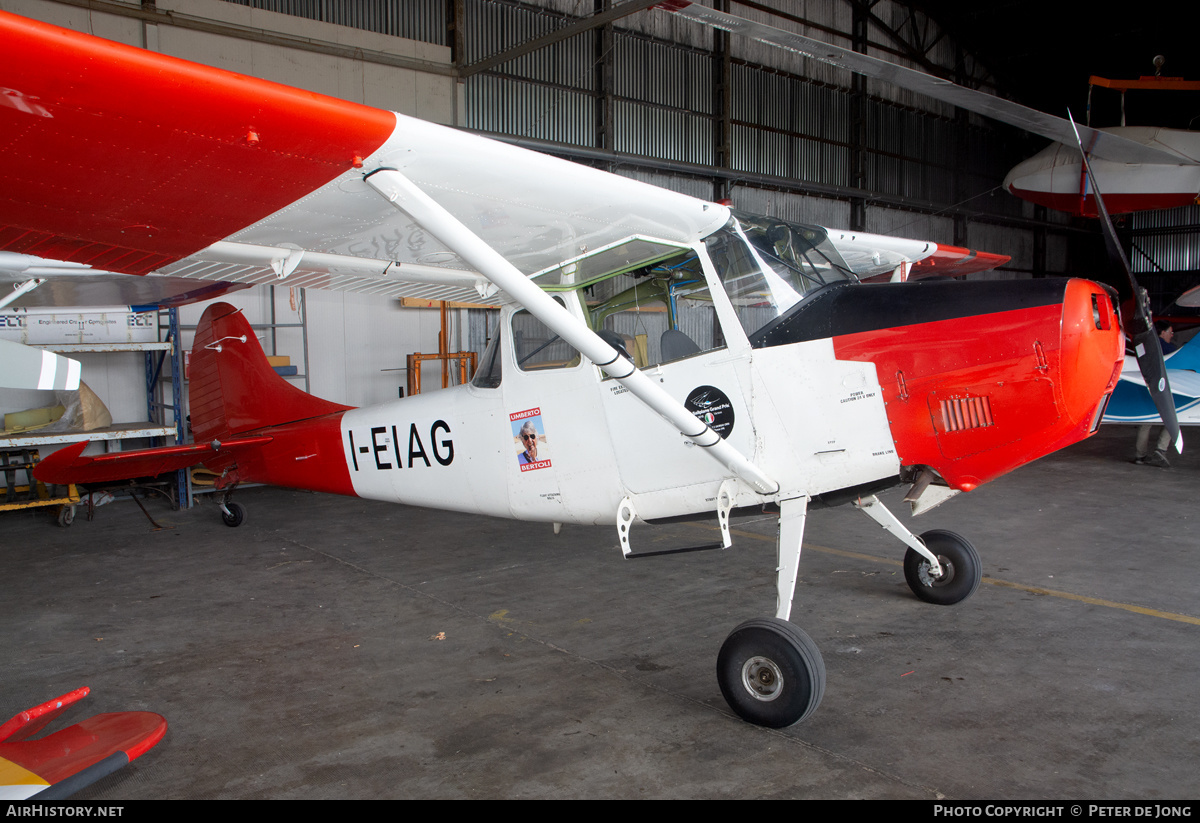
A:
{"x": 233, "y": 388}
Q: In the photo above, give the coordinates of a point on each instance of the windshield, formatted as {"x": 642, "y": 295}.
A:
{"x": 767, "y": 266}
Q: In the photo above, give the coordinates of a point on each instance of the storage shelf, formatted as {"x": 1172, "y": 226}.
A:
{"x": 72, "y": 348}
{"x": 121, "y": 431}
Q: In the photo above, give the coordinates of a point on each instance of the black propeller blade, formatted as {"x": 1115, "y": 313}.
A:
{"x": 1145, "y": 339}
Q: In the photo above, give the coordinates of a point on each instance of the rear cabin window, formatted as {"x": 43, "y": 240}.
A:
{"x": 536, "y": 347}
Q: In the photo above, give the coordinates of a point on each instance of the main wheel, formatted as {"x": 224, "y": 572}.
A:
{"x": 235, "y": 516}
{"x": 66, "y": 516}
{"x": 771, "y": 673}
{"x": 961, "y": 569}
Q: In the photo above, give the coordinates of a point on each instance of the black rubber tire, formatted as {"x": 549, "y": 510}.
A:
{"x": 236, "y": 515}
{"x": 962, "y": 569}
{"x": 771, "y": 673}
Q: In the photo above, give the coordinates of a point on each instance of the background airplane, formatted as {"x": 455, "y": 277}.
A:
{"x": 1135, "y": 168}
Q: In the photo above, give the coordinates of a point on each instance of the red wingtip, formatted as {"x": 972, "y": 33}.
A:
{"x": 952, "y": 261}
{"x": 31, "y": 721}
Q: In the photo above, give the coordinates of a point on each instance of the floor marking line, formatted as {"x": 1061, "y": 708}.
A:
{"x": 993, "y": 581}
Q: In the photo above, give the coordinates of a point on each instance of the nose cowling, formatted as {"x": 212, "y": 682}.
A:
{"x": 992, "y": 375}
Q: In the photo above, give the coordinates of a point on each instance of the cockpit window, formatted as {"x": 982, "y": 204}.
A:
{"x": 767, "y": 266}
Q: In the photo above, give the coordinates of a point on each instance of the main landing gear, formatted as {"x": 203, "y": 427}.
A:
{"x": 771, "y": 673}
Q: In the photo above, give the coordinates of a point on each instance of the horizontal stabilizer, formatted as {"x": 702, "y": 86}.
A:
{"x": 69, "y": 465}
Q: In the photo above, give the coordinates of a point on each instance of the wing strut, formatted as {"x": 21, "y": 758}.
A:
{"x": 21, "y": 288}
{"x": 408, "y": 197}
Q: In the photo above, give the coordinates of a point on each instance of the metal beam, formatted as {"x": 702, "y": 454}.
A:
{"x": 570, "y": 30}
{"x": 152, "y": 15}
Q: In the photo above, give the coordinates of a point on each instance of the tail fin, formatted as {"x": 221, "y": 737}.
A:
{"x": 1186, "y": 356}
{"x": 233, "y": 387}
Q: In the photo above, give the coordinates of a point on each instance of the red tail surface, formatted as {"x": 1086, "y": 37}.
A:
{"x": 248, "y": 423}
{"x": 233, "y": 389}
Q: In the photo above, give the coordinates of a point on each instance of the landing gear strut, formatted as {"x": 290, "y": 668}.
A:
{"x": 770, "y": 672}
{"x": 232, "y": 514}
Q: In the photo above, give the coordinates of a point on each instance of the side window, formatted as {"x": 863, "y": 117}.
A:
{"x": 697, "y": 328}
{"x": 490, "y": 370}
{"x": 536, "y": 347}
{"x": 667, "y": 314}
{"x": 640, "y": 331}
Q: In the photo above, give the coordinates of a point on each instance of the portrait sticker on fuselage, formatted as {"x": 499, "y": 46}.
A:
{"x": 530, "y": 437}
{"x": 712, "y": 407}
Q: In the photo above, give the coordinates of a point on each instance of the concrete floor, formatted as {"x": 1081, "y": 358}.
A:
{"x": 295, "y": 657}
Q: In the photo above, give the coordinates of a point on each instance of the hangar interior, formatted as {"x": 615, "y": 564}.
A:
{"x": 634, "y": 90}
{"x": 726, "y": 118}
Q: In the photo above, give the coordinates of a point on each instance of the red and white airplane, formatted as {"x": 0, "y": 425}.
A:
{"x": 771, "y": 377}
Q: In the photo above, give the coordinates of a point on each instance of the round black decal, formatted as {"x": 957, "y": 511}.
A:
{"x": 712, "y": 407}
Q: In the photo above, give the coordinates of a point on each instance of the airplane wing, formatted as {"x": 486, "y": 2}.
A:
{"x": 1098, "y": 143}
{"x": 249, "y": 182}
{"x": 878, "y": 258}
{"x": 58, "y": 283}
{"x": 164, "y": 165}
{"x": 58, "y": 765}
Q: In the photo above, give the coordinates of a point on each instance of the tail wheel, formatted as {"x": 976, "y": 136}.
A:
{"x": 771, "y": 673}
{"x": 66, "y": 516}
{"x": 233, "y": 514}
{"x": 961, "y": 569}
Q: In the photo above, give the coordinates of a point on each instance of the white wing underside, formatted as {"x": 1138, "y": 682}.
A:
{"x": 535, "y": 210}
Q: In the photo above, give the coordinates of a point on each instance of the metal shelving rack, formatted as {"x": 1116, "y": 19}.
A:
{"x": 160, "y": 355}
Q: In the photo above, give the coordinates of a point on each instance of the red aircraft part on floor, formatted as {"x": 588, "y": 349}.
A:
{"x": 76, "y": 756}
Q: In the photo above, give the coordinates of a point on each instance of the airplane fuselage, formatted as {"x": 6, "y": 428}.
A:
{"x": 1054, "y": 176}
{"x": 968, "y": 379}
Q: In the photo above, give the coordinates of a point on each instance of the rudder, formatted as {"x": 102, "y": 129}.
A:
{"x": 233, "y": 388}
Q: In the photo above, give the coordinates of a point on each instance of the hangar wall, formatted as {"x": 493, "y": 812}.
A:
{"x": 353, "y": 338}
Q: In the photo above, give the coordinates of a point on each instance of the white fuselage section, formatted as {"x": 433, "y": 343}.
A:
{"x": 811, "y": 422}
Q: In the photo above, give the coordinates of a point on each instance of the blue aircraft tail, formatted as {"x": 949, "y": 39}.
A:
{"x": 1186, "y": 356}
